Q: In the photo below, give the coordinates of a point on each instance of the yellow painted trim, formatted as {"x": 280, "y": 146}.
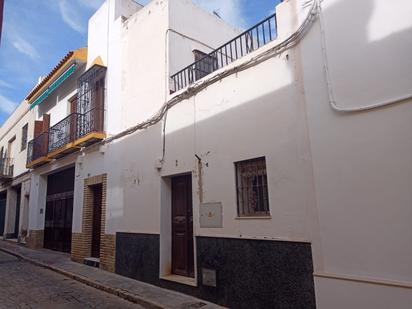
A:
{"x": 37, "y": 161}
{"x": 78, "y": 54}
{"x": 54, "y": 153}
{"x": 81, "y": 54}
{"x": 96, "y": 135}
{"x": 97, "y": 61}
{"x": 71, "y": 145}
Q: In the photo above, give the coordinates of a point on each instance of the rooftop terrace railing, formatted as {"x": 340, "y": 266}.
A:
{"x": 245, "y": 43}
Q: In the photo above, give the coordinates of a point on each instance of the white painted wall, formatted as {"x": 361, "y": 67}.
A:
{"x": 190, "y": 28}
{"x": 38, "y": 189}
{"x": 144, "y": 63}
{"x": 362, "y": 195}
{"x": 11, "y": 128}
{"x": 136, "y": 88}
{"x": 101, "y": 24}
{"x": 105, "y": 41}
{"x": 356, "y": 295}
{"x": 57, "y": 103}
{"x": 362, "y": 161}
{"x": 340, "y": 181}
{"x": 233, "y": 121}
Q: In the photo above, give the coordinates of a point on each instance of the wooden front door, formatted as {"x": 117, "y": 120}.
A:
{"x": 182, "y": 226}
{"x": 97, "y": 220}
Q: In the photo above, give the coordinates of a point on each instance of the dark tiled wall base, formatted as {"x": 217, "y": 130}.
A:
{"x": 137, "y": 256}
{"x": 250, "y": 273}
{"x": 258, "y": 273}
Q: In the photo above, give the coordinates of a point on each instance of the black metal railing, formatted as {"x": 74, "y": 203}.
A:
{"x": 74, "y": 127}
{"x": 250, "y": 40}
{"x": 71, "y": 128}
{"x": 91, "y": 121}
{"x": 37, "y": 147}
{"x": 63, "y": 132}
{"x": 6, "y": 167}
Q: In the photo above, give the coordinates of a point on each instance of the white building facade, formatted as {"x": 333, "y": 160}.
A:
{"x": 14, "y": 176}
{"x": 262, "y": 169}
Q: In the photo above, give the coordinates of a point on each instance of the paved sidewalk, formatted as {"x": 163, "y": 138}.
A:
{"x": 146, "y": 295}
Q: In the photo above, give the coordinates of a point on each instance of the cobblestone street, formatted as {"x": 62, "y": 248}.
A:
{"x": 24, "y": 285}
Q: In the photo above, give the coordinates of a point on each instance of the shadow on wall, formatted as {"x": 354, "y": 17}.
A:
{"x": 272, "y": 124}
{"x": 272, "y": 273}
{"x": 366, "y": 71}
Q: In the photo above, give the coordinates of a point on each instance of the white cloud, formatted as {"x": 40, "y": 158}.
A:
{"x": 6, "y": 105}
{"x": 229, "y": 10}
{"x": 4, "y": 84}
{"x": 92, "y": 4}
{"x": 24, "y": 47}
{"x": 70, "y": 16}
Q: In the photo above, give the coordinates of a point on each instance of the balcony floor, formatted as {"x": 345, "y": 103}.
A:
{"x": 76, "y": 145}
{"x": 39, "y": 161}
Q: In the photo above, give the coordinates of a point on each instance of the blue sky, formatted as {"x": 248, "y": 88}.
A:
{"x": 38, "y": 33}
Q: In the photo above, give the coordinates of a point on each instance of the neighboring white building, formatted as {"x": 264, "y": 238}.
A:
{"x": 263, "y": 169}
{"x": 14, "y": 176}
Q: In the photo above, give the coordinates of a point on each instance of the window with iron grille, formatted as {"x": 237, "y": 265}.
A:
{"x": 252, "y": 188}
{"x": 24, "y": 137}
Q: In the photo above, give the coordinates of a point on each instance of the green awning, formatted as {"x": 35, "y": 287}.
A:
{"x": 53, "y": 86}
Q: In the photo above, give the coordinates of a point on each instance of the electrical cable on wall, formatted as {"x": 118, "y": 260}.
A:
{"x": 195, "y": 88}
{"x": 331, "y": 94}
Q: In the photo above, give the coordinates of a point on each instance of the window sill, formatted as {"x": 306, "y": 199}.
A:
{"x": 254, "y": 218}
{"x": 180, "y": 279}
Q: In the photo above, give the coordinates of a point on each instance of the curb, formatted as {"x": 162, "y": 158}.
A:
{"x": 97, "y": 285}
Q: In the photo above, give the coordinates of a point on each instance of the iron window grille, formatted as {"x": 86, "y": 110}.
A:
{"x": 24, "y": 137}
{"x": 252, "y": 188}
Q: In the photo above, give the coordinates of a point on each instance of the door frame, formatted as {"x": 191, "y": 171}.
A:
{"x": 186, "y": 228}
{"x": 97, "y": 188}
{"x": 165, "y": 260}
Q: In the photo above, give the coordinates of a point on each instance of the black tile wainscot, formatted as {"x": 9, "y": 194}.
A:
{"x": 246, "y": 273}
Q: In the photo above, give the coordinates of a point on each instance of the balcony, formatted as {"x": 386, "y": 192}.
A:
{"x": 37, "y": 150}
{"x": 6, "y": 168}
{"x": 67, "y": 136}
{"x": 75, "y": 131}
{"x": 247, "y": 42}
